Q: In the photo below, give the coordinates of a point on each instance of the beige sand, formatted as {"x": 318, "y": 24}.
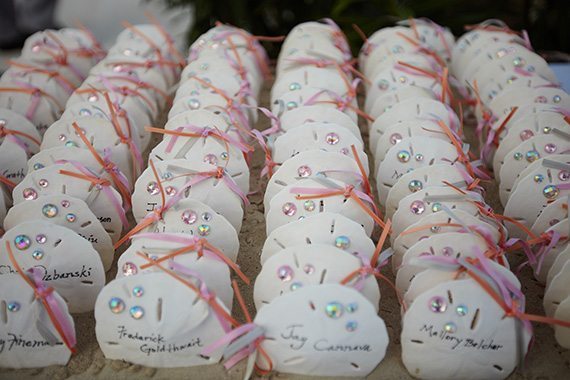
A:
{"x": 546, "y": 360}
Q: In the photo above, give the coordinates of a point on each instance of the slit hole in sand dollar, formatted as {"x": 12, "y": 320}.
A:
{"x": 112, "y": 343}
{"x": 498, "y": 367}
{"x": 204, "y": 357}
{"x": 86, "y": 224}
{"x": 57, "y": 242}
{"x": 279, "y": 182}
{"x": 475, "y": 320}
{"x": 308, "y": 240}
{"x": 323, "y": 275}
{"x": 416, "y": 341}
{"x": 332, "y": 226}
{"x": 86, "y": 282}
{"x": 321, "y": 205}
{"x": 312, "y": 305}
{"x": 295, "y": 359}
{"x": 3, "y": 312}
{"x": 449, "y": 297}
{"x": 159, "y": 310}
{"x": 355, "y": 366}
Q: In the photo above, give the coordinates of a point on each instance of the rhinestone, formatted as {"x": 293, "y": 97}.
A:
{"x": 304, "y": 171}
{"x": 285, "y": 273}
{"x": 93, "y": 98}
{"x": 152, "y": 188}
{"x": 395, "y": 138}
{"x": 532, "y": 155}
{"x": 49, "y": 210}
{"x": 289, "y": 209}
{"x": 309, "y": 205}
{"x": 65, "y": 203}
{"x": 206, "y": 216}
{"x": 170, "y": 190}
{"x": 450, "y": 327}
{"x": 224, "y": 156}
{"x": 13, "y": 307}
{"x": 530, "y": 68}
{"x": 129, "y": 269}
{"x": 436, "y": 207}
{"x": 553, "y": 222}
{"x": 435, "y": 229}
{"x": 117, "y": 68}
{"x": 43, "y": 183}
{"x": 38, "y": 166}
{"x": 291, "y": 105}
{"x": 36, "y": 48}
{"x": 540, "y": 99}
{"x": 127, "y": 52}
{"x": 518, "y": 156}
{"x": 22, "y": 242}
{"x": 166, "y": 176}
{"x": 29, "y": 194}
{"x": 116, "y": 305}
{"x": 556, "y": 99}
{"x": 518, "y": 62}
{"x": 70, "y": 217}
{"x": 294, "y": 86}
{"x": 550, "y": 148}
{"x": 447, "y": 251}
{"x": 437, "y": 304}
{"x": 210, "y": 159}
{"x": 38, "y": 254}
{"x": 342, "y": 242}
{"x": 564, "y": 175}
{"x": 351, "y": 326}
{"x": 546, "y": 130}
{"x": 417, "y": 207}
{"x": 550, "y": 191}
{"x": 332, "y": 138}
{"x": 138, "y": 291}
{"x": 136, "y": 312}
{"x": 294, "y": 286}
{"x": 538, "y": 178}
{"x": 189, "y": 217}
{"x": 419, "y": 157}
{"x": 84, "y": 112}
{"x": 62, "y": 137}
{"x": 344, "y": 151}
{"x": 194, "y": 104}
{"x": 204, "y": 66}
{"x": 501, "y": 52}
{"x": 203, "y": 229}
{"x": 526, "y": 134}
{"x": 334, "y": 310}
{"x": 309, "y": 269}
{"x": 383, "y": 84}
{"x": 461, "y": 310}
{"x": 415, "y": 185}
{"x": 71, "y": 144}
{"x": 41, "y": 239}
{"x": 404, "y": 156}
{"x": 351, "y": 307}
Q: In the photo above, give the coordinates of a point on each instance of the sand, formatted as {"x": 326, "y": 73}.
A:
{"x": 546, "y": 359}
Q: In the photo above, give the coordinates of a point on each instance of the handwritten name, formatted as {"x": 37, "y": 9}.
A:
{"x": 457, "y": 341}
{"x": 298, "y": 341}
{"x": 14, "y": 341}
{"x": 52, "y": 274}
{"x": 14, "y": 175}
{"x": 155, "y": 343}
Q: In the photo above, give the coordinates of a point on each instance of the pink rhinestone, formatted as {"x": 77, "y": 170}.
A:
{"x": 344, "y": 151}
{"x": 332, "y": 138}
{"x": 36, "y": 48}
{"x": 170, "y": 190}
{"x": 540, "y": 99}
{"x": 152, "y": 188}
{"x": 447, "y": 251}
{"x": 304, "y": 171}
{"x": 189, "y": 217}
{"x": 289, "y": 209}
{"x": 395, "y": 138}
{"x": 65, "y": 203}
{"x": 93, "y": 98}
{"x": 211, "y": 159}
{"x": 29, "y": 194}
{"x": 129, "y": 269}
{"x": 526, "y": 134}
{"x": 285, "y": 273}
{"x": 417, "y": 207}
{"x": 62, "y": 137}
{"x": 553, "y": 222}
{"x": 564, "y": 175}
{"x": 550, "y": 148}
{"x": 43, "y": 183}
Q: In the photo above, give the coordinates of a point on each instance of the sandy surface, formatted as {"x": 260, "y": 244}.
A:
{"x": 546, "y": 360}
